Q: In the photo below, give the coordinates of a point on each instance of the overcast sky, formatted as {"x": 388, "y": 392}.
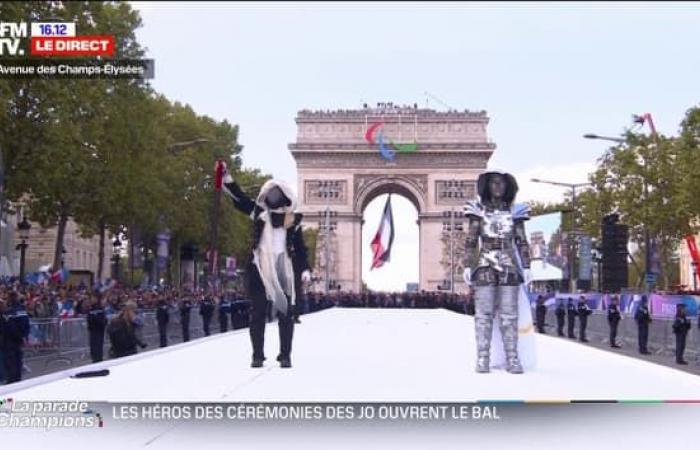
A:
{"x": 546, "y": 73}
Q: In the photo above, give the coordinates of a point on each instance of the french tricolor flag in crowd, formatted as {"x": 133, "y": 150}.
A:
{"x": 67, "y": 310}
{"x": 59, "y": 276}
{"x": 384, "y": 238}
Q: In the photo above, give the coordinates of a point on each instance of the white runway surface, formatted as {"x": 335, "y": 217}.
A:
{"x": 373, "y": 355}
{"x": 369, "y": 355}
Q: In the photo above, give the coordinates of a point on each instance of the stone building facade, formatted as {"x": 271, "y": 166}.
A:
{"x": 82, "y": 254}
{"x": 340, "y": 170}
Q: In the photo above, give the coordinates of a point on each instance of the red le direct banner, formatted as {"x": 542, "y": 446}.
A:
{"x": 89, "y": 45}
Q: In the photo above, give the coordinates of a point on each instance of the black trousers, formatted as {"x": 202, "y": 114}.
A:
{"x": 13, "y": 363}
{"x": 560, "y": 325}
{"x": 582, "y": 328}
{"x": 97, "y": 342}
{"x": 206, "y": 321}
{"x": 613, "y": 331}
{"x": 223, "y": 322}
{"x": 163, "y": 332}
{"x": 643, "y": 337}
{"x": 259, "y": 316}
{"x": 185, "y": 328}
{"x": 572, "y": 325}
{"x": 540, "y": 324}
{"x": 680, "y": 346}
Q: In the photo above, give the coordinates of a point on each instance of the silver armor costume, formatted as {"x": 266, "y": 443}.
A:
{"x": 496, "y": 227}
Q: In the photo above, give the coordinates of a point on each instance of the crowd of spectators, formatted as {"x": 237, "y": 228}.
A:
{"x": 30, "y": 313}
{"x": 66, "y": 301}
{"x": 461, "y": 303}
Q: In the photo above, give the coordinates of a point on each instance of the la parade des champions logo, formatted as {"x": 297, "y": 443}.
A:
{"x": 48, "y": 414}
{"x": 56, "y": 50}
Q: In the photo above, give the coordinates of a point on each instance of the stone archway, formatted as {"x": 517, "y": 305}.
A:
{"x": 340, "y": 172}
{"x": 371, "y": 186}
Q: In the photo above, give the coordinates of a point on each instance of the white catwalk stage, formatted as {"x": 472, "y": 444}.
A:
{"x": 364, "y": 355}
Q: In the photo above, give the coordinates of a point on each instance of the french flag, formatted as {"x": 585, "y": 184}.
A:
{"x": 384, "y": 238}
{"x": 60, "y": 275}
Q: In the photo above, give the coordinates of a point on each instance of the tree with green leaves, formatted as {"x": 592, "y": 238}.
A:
{"x": 640, "y": 180}
{"x": 114, "y": 155}
{"x": 53, "y": 129}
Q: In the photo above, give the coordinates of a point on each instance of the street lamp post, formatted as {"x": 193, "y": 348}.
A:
{"x": 147, "y": 266}
{"x": 173, "y": 149}
{"x": 116, "y": 245}
{"x": 574, "y": 230}
{"x": 23, "y": 228}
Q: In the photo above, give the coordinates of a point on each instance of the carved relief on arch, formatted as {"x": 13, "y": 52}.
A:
{"x": 368, "y": 186}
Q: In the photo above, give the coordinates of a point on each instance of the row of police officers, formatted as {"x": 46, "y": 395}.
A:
{"x": 569, "y": 313}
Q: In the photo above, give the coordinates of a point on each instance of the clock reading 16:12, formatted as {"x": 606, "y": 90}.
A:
{"x": 57, "y": 29}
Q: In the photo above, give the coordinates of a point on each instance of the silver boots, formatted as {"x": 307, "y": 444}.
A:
{"x": 483, "y": 323}
{"x": 488, "y": 300}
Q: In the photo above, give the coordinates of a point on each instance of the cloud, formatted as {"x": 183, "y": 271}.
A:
{"x": 564, "y": 173}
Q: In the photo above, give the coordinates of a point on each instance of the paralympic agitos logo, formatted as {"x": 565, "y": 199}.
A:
{"x": 375, "y": 135}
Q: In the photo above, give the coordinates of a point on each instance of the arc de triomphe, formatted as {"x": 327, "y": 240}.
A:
{"x": 340, "y": 170}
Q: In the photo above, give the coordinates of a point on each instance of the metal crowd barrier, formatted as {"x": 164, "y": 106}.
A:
{"x": 43, "y": 336}
{"x": 58, "y": 341}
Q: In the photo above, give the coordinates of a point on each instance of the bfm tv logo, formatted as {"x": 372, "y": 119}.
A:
{"x": 52, "y": 39}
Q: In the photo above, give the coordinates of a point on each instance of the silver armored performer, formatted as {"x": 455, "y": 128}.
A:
{"x": 496, "y": 226}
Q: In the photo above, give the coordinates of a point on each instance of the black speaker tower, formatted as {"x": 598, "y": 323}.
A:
{"x": 615, "y": 237}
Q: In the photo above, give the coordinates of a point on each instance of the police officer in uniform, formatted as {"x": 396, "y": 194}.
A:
{"x": 15, "y": 332}
{"x": 540, "y": 314}
{"x": 560, "y": 312}
{"x": 238, "y": 312}
{"x": 185, "y": 310}
{"x": 643, "y": 319}
{"x": 224, "y": 313}
{"x": 96, "y": 324}
{"x": 571, "y": 317}
{"x": 206, "y": 310}
{"x": 583, "y": 311}
{"x": 614, "y": 318}
{"x": 163, "y": 317}
{"x": 681, "y": 326}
